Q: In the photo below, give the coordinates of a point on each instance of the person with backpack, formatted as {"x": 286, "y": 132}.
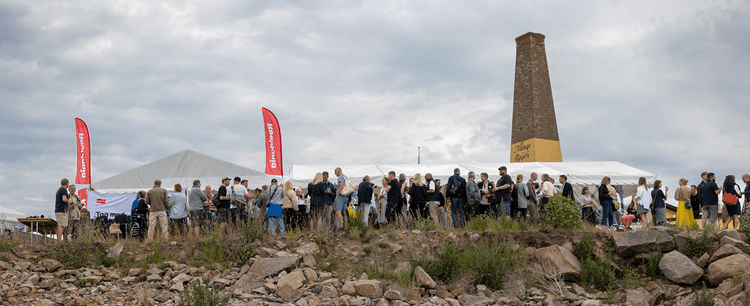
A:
{"x": 456, "y": 191}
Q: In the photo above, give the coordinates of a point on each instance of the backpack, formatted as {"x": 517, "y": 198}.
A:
{"x": 455, "y": 187}
{"x": 216, "y": 201}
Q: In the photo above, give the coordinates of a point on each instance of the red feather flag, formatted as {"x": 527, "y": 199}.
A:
{"x": 274, "y": 164}
{"x": 83, "y": 154}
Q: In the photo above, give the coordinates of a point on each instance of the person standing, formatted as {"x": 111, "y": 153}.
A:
{"x": 74, "y": 212}
{"x": 275, "y": 199}
{"x": 364, "y": 196}
{"x": 473, "y": 197}
{"x": 157, "y": 199}
{"x": 341, "y": 201}
{"x": 485, "y": 191}
{"x": 733, "y": 210}
{"x": 239, "y": 198}
{"x": 659, "y": 201}
{"x": 695, "y": 202}
{"x": 704, "y": 210}
{"x": 196, "y": 199}
{"x": 178, "y": 211}
{"x": 61, "y": 205}
{"x": 502, "y": 192}
{"x": 393, "y": 197}
{"x": 317, "y": 194}
{"x": 548, "y": 190}
{"x": 710, "y": 193}
{"x": 433, "y": 199}
{"x": 224, "y": 208}
{"x": 456, "y": 191}
{"x": 587, "y": 206}
{"x": 289, "y": 206}
{"x": 330, "y": 194}
{"x": 533, "y": 201}
{"x": 567, "y": 189}
{"x": 523, "y": 196}
{"x": 745, "y": 216}
{"x": 643, "y": 198}
{"x": 262, "y": 205}
{"x": 304, "y": 210}
{"x": 242, "y": 211}
{"x": 605, "y": 199}
{"x": 682, "y": 196}
{"x": 383, "y": 203}
{"x": 418, "y": 197}
{"x": 209, "y": 209}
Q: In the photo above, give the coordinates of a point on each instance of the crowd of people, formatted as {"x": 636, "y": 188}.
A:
{"x": 400, "y": 201}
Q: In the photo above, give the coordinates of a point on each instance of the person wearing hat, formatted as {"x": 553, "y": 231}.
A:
{"x": 224, "y": 212}
{"x": 240, "y": 197}
{"x": 502, "y": 191}
{"x": 275, "y": 199}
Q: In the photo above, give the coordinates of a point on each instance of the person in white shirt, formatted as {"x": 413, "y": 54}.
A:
{"x": 643, "y": 198}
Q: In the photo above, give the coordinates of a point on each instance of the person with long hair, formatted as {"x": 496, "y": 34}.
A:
{"x": 290, "y": 206}
{"x": 732, "y": 210}
{"x": 643, "y": 204}
{"x": 587, "y": 206}
{"x": 382, "y": 203}
{"x": 317, "y": 191}
{"x": 605, "y": 199}
{"x": 548, "y": 190}
{"x": 209, "y": 210}
{"x": 682, "y": 196}
{"x": 418, "y": 198}
{"x": 659, "y": 201}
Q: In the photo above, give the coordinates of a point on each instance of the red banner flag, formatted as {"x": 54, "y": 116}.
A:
{"x": 84, "y": 195}
{"x": 83, "y": 154}
{"x": 274, "y": 165}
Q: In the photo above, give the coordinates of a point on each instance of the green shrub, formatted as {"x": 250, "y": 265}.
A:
{"x": 4, "y": 245}
{"x": 382, "y": 245}
{"x": 562, "y": 212}
{"x": 356, "y": 227}
{"x": 485, "y": 264}
{"x": 585, "y": 249}
{"x": 631, "y": 279}
{"x": 366, "y": 239}
{"x": 488, "y": 263}
{"x": 703, "y": 297}
{"x": 651, "y": 266}
{"x": 368, "y": 249}
{"x": 77, "y": 254}
{"x": 423, "y": 224}
{"x": 214, "y": 252}
{"x": 107, "y": 261}
{"x": 697, "y": 247}
{"x": 322, "y": 240}
{"x": 332, "y": 266}
{"x": 202, "y": 296}
{"x": 599, "y": 273}
{"x": 479, "y": 223}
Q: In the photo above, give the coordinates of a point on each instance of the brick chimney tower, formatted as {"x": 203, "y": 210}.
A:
{"x": 534, "y": 137}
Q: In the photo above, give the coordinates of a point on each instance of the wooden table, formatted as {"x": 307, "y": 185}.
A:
{"x": 46, "y": 225}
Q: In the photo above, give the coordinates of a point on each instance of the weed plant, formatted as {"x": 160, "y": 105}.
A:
{"x": 698, "y": 246}
{"x": 154, "y": 256}
{"x": 202, "y": 296}
{"x": 81, "y": 282}
{"x": 651, "y": 266}
{"x": 597, "y": 272}
{"x": 629, "y": 278}
{"x": 585, "y": 249}
{"x": 382, "y": 245}
{"x": 703, "y": 297}
{"x": 367, "y": 250}
{"x": 484, "y": 222}
{"x": 484, "y": 264}
{"x": 562, "y": 213}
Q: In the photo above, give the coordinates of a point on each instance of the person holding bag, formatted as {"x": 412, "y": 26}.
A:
{"x": 731, "y": 199}
{"x": 684, "y": 207}
{"x": 659, "y": 202}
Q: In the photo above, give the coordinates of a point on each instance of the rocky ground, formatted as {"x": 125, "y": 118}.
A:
{"x": 307, "y": 270}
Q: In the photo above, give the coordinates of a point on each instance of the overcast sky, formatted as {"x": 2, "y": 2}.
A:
{"x": 658, "y": 85}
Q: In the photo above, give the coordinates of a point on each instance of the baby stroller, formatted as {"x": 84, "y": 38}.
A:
{"x": 138, "y": 220}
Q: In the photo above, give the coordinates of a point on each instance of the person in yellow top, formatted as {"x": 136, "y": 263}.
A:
{"x": 682, "y": 196}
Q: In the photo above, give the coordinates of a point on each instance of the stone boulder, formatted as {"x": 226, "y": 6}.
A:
{"x": 681, "y": 239}
{"x": 639, "y": 298}
{"x": 288, "y": 293}
{"x": 50, "y": 264}
{"x": 369, "y": 288}
{"x": 423, "y": 279}
{"x": 115, "y": 251}
{"x": 629, "y": 244}
{"x": 563, "y": 261}
{"x": 725, "y": 251}
{"x": 679, "y": 268}
{"x": 310, "y": 248}
{"x": 735, "y": 242}
{"x": 266, "y": 267}
{"x": 475, "y": 300}
{"x": 732, "y": 233}
{"x": 248, "y": 282}
{"x": 724, "y": 268}
{"x": 295, "y": 280}
{"x": 731, "y": 287}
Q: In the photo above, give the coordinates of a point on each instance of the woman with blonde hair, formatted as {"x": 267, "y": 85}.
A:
{"x": 643, "y": 198}
{"x": 289, "y": 205}
{"x": 682, "y": 196}
{"x": 418, "y": 197}
{"x": 317, "y": 193}
{"x": 382, "y": 202}
{"x": 605, "y": 199}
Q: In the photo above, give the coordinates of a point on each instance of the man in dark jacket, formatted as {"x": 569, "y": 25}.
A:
{"x": 456, "y": 190}
{"x": 567, "y": 189}
{"x": 364, "y": 194}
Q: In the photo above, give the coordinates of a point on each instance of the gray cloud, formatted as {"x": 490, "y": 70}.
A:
{"x": 660, "y": 86}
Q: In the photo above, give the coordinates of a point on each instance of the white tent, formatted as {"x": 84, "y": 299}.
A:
{"x": 117, "y": 193}
{"x": 9, "y": 218}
